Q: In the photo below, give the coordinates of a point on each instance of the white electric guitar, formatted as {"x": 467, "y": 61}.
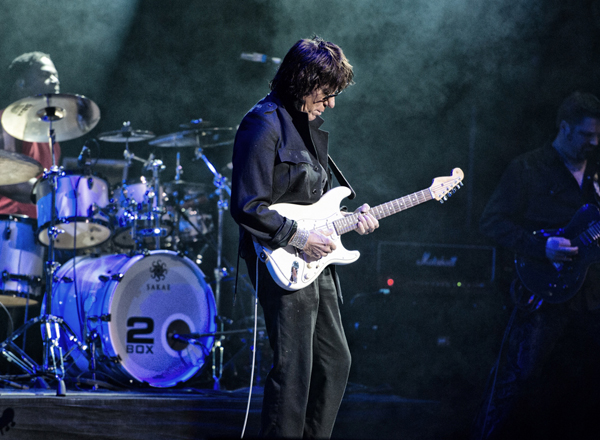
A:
{"x": 293, "y": 270}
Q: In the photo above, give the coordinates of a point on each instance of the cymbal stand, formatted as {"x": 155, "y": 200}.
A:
{"x": 157, "y": 166}
{"x": 220, "y": 182}
{"x": 53, "y": 357}
{"x": 126, "y": 129}
{"x": 177, "y": 196}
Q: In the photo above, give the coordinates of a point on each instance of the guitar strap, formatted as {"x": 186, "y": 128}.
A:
{"x": 340, "y": 177}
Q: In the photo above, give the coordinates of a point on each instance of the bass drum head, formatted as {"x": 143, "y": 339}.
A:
{"x": 135, "y": 304}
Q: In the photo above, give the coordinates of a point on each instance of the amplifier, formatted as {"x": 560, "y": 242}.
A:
{"x": 435, "y": 265}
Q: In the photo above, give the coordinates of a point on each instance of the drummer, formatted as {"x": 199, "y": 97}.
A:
{"x": 29, "y": 74}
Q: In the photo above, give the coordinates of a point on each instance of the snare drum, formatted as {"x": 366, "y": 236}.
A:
{"x": 21, "y": 261}
{"x": 79, "y": 203}
{"x": 134, "y": 304}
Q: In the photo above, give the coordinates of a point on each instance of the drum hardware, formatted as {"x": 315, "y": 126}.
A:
{"x": 156, "y": 166}
{"x": 193, "y": 338}
{"x": 36, "y": 119}
{"x": 221, "y": 184}
{"x": 126, "y": 135}
{"x": 92, "y": 338}
{"x": 135, "y": 222}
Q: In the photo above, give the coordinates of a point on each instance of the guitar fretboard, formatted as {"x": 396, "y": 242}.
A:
{"x": 350, "y": 222}
{"x": 591, "y": 234}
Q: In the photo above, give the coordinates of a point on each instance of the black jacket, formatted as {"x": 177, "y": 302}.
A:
{"x": 537, "y": 192}
{"x": 278, "y": 157}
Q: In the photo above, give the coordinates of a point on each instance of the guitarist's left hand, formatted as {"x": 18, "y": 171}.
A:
{"x": 366, "y": 222}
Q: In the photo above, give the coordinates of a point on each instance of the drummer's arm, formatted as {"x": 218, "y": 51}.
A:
{"x": 20, "y": 192}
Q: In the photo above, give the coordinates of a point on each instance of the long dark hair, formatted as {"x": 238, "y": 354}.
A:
{"x": 311, "y": 64}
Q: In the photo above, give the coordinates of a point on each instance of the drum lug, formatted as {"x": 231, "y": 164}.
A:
{"x": 103, "y": 318}
{"x": 114, "y": 359}
{"x": 113, "y": 277}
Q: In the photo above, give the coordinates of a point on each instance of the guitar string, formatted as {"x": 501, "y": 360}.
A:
{"x": 348, "y": 223}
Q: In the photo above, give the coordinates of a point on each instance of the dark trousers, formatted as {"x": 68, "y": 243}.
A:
{"x": 532, "y": 337}
{"x": 311, "y": 358}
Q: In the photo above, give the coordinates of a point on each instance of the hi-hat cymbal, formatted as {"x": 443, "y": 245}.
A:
{"x": 126, "y": 135}
{"x": 17, "y": 168}
{"x": 198, "y": 137}
{"x": 71, "y": 115}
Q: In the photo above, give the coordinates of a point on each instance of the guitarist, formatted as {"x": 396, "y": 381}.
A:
{"x": 281, "y": 155}
{"x": 542, "y": 189}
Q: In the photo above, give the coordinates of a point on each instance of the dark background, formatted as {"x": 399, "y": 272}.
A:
{"x": 439, "y": 85}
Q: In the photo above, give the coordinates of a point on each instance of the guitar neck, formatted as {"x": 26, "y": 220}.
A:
{"x": 350, "y": 222}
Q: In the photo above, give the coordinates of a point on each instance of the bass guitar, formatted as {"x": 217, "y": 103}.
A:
{"x": 293, "y": 270}
{"x": 558, "y": 282}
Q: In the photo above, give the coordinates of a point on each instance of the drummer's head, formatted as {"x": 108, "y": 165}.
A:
{"x": 31, "y": 74}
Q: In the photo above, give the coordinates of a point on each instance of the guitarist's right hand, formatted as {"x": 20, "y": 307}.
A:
{"x": 559, "y": 249}
{"x": 319, "y": 244}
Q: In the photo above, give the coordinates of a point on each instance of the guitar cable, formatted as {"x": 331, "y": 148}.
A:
{"x": 253, "y": 350}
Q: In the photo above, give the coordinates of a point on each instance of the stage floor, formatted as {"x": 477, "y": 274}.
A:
{"x": 207, "y": 414}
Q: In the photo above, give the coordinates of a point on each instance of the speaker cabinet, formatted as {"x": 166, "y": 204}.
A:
{"x": 423, "y": 344}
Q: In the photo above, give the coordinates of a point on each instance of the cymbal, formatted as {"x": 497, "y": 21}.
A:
{"x": 126, "y": 135}
{"x": 198, "y": 137}
{"x": 71, "y": 115}
{"x": 17, "y": 168}
{"x": 195, "y": 123}
{"x": 15, "y": 301}
{"x": 183, "y": 189}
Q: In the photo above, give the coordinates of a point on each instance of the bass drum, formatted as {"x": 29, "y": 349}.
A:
{"x": 134, "y": 304}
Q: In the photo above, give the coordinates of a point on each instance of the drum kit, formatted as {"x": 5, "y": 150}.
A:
{"x": 140, "y": 313}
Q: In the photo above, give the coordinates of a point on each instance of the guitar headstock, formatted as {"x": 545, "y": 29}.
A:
{"x": 443, "y": 187}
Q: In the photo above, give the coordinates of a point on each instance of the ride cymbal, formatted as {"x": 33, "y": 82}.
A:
{"x": 29, "y": 118}
{"x": 198, "y": 137}
{"x": 128, "y": 135}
